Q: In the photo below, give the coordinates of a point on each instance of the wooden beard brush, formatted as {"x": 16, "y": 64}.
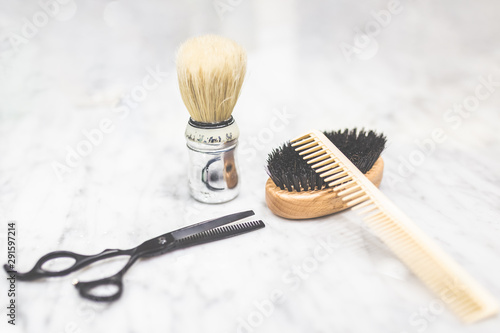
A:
{"x": 210, "y": 71}
{"x": 419, "y": 252}
{"x": 295, "y": 191}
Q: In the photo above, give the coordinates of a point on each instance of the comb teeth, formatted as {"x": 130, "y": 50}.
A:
{"x": 289, "y": 171}
{"x": 433, "y": 266}
{"x": 329, "y": 163}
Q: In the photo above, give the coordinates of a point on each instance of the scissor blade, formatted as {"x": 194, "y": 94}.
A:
{"x": 209, "y": 224}
{"x": 219, "y": 233}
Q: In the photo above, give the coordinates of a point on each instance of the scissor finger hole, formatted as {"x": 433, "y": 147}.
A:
{"x": 103, "y": 290}
{"x": 58, "y": 264}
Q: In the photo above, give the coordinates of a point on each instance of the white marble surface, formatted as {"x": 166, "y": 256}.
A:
{"x": 78, "y": 68}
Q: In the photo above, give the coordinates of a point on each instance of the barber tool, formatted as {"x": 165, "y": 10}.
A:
{"x": 295, "y": 191}
{"x": 200, "y": 233}
{"x": 419, "y": 252}
{"x": 210, "y": 72}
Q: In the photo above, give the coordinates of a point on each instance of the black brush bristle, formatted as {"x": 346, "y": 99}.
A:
{"x": 289, "y": 171}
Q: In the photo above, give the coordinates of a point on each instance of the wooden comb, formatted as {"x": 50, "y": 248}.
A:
{"x": 429, "y": 262}
{"x": 311, "y": 204}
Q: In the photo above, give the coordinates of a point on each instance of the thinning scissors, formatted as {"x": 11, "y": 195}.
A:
{"x": 199, "y": 233}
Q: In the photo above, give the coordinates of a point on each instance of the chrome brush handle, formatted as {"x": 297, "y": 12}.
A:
{"x": 213, "y": 170}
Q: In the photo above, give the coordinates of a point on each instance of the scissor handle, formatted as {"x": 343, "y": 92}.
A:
{"x": 87, "y": 289}
{"x": 80, "y": 261}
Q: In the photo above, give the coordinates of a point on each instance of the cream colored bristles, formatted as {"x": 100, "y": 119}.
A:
{"x": 210, "y": 71}
{"x": 434, "y": 267}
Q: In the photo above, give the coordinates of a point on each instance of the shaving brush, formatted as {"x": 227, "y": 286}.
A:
{"x": 210, "y": 71}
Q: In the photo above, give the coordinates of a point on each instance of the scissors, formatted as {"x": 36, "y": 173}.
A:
{"x": 199, "y": 233}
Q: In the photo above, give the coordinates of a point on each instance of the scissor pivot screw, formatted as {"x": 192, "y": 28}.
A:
{"x": 162, "y": 240}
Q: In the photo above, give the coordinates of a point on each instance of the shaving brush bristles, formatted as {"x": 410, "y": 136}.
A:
{"x": 210, "y": 71}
